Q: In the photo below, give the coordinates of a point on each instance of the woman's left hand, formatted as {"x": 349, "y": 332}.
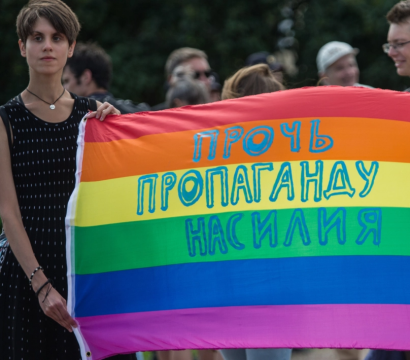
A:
{"x": 102, "y": 111}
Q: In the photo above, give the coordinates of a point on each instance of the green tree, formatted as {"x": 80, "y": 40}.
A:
{"x": 362, "y": 24}
{"x": 139, "y": 35}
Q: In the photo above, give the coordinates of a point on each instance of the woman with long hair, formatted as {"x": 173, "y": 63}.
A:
{"x": 253, "y": 80}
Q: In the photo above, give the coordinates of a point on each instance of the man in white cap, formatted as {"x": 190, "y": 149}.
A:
{"x": 336, "y": 63}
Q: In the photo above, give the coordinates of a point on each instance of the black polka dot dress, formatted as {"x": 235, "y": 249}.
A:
{"x": 43, "y": 163}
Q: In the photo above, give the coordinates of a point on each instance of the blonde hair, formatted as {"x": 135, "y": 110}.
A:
{"x": 252, "y": 80}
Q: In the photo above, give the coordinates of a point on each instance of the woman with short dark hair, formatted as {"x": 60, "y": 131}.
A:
{"x": 37, "y": 169}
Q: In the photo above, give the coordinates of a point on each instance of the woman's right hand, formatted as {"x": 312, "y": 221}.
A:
{"x": 55, "y": 307}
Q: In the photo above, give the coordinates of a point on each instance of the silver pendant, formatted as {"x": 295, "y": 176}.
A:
{"x": 52, "y": 106}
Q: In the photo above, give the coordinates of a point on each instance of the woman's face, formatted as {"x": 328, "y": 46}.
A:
{"x": 46, "y": 50}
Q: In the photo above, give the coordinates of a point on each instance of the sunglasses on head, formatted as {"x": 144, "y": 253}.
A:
{"x": 207, "y": 73}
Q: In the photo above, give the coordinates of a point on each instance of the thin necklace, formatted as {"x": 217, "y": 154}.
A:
{"x": 52, "y": 106}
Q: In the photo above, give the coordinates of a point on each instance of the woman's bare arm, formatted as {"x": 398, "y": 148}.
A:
{"x": 10, "y": 213}
{"x": 55, "y": 305}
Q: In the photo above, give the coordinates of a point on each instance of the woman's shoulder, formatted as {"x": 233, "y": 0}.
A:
{"x": 10, "y": 106}
{"x": 12, "y": 102}
{"x": 5, "y": 119}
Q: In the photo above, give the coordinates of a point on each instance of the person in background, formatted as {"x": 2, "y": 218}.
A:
{"x": 263, "y": 57}
{"x": 88, "y": 73}
{"x": 398, "y": 48}
{"x": 174, "y": 355}
{"x": 398, "y": 37}
{"x": 253, "y": 80}
{"x": 216, "y": 87}
{"x": 337, "y": 65}
{"x": 185, "y": 90}
{"x": 195, "y": 59}
{"x": 188, "y": 355}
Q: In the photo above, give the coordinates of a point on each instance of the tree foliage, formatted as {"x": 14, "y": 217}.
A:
{"x": 139, "y": 35}
{"x": 361, "y": 23}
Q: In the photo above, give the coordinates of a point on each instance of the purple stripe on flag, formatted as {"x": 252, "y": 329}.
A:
{"x": 289, "y": 326}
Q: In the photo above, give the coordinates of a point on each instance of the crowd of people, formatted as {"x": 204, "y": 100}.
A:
{"x": 38, "y": 149}
{"x": 190, "y": 80}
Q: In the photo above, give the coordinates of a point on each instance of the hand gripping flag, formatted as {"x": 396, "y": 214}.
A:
{"x": 280, "y": 220}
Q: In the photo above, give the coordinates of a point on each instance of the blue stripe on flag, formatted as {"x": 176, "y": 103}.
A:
{"x": 293, "y": 281}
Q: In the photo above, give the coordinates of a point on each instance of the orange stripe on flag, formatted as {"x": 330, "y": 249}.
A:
{"x": 145, "y": 155}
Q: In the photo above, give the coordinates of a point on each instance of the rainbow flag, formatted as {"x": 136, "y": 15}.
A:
{"x": 277, "y": 220}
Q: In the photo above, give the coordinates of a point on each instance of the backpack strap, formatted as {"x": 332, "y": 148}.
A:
{"x": 92, "y": 104}
{"x": 6, "y": 122}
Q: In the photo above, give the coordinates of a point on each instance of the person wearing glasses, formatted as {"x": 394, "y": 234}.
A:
{"x": 337, "y": 65}
{"x": 398, "y": 48}
{"x": 197, "y": 61}
{"x": 185, "y": 89}
{"x": 398, "y": 37}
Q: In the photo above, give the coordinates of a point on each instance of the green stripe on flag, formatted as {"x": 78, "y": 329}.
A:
{"x": 140, "y": 244}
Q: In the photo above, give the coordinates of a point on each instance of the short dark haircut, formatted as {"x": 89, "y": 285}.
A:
{"x": 92, "y": 57}
{"x": 60, "y": 16}
{"x": 399, "y": 13}
{"x": 252, "y": 80}
{"x": 178, "y": 56}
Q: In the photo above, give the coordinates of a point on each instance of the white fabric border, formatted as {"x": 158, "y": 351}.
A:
{"x": 69, "y": 229}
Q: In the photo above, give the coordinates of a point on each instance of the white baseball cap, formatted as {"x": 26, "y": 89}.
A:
{"x": 331, "y": 52}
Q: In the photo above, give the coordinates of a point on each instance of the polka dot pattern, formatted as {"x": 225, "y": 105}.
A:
{"x": 43, "y": 164}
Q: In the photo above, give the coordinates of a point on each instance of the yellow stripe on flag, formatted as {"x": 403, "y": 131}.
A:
{"x": 114, "y": 201}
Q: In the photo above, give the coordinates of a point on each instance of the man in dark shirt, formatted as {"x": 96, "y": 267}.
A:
{"x": 88, "y": 73}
